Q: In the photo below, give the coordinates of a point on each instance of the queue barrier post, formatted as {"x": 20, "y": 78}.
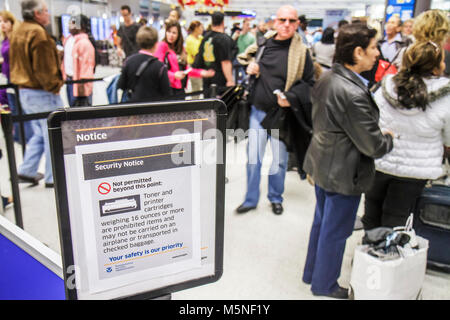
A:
{"x": 7, "y": 126}
{"x": 20, "y": 114}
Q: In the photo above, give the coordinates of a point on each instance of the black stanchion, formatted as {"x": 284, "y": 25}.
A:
{"x": 22, "y": 136}
{"x": 19, "y": 112}
{"x": 213, "y": 91}
{"x": 7, "y": 126}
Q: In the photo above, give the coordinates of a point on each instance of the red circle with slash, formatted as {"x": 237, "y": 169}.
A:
{"x": 104, "y": 188}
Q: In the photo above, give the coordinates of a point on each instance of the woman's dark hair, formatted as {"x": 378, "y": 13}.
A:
{"x": 178, "y": 45}
{"x": 194, "y": 25}
{"x": 328, "y": 36}
{"x": 419, "y": 61}
{"x": 350, "y": 37}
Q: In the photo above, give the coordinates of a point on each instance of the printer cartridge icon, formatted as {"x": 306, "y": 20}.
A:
{"x": 119, "y": 205}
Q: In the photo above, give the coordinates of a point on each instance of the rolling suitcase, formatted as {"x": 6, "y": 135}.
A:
{"x": 432, "y": 222}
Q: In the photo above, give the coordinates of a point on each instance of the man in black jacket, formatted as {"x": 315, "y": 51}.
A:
{"x": 340, "y": 158}
{"x": 286, "y": 66}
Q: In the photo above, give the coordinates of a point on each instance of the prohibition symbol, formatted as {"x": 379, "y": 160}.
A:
{"x": 104, "y": 188}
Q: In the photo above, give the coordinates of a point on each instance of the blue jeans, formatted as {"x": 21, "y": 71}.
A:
{"x": 70, "y": 96}
{"x": 69, "y": 91}
{"x": 36, "y": 101}
{"x": 28, "y": 129}
{"x": 257, "y": 140}
{"x": 334, "y": 219}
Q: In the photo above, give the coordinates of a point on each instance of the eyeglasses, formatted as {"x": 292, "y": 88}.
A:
{"x": 291, "y": 21}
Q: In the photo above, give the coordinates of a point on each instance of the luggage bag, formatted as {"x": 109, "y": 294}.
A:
{"x": 432, "y": 222}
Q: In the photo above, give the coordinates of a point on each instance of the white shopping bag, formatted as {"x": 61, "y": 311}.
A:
{"x": 399, "y": 279}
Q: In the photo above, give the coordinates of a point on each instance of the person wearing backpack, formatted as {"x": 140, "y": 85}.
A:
{"x": 143, "y": 75}
{"x": 217, "y": 52}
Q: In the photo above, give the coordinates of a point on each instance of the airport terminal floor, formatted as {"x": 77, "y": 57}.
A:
{"x": 264, "y": 253}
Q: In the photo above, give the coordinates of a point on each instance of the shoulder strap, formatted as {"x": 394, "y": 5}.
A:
{"x": 166, "y": 60}
{"x": 141, "y": 69}
{"x": 123, "y": 26}
{"x": 261, "y": 47}
{"x": 395, "y": 57}
{"x": 144, "y": 65}
{"x": 249, "y": 80}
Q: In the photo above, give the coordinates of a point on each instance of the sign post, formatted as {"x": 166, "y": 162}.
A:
{"x": 140, "y": 196}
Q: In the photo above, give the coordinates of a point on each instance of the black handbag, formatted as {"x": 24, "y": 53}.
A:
{"x": 230, "y": 95}
{"x": 238, "y": 108}
{"x": 238, "y": 99}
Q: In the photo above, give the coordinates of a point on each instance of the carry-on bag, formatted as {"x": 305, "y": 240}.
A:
{"x": 432, "y": 222}
{"x": 378, "y": 274}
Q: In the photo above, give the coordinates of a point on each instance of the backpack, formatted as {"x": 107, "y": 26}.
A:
{"x": 139, "y": 72}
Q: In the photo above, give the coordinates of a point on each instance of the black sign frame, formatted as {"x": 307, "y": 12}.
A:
{"x": 55, "y": 120}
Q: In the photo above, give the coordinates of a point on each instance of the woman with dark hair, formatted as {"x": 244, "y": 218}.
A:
{"x": 340, "y": 157}
{"x": 415, "y": 104}
{"x": 171, "y": 52}
{"x": 324, "y": 49}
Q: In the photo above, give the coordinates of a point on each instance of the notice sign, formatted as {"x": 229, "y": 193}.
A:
{"x": 141, "y": 212}
{"x": 134, "y": 191}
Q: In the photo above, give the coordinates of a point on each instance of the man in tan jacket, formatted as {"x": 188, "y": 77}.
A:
{"x": 35, "y": 68}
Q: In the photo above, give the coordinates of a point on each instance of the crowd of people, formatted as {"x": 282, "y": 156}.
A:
{"x": 349, "y": 133}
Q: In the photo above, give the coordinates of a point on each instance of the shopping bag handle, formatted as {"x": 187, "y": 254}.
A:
{"x": 408, "y": 225}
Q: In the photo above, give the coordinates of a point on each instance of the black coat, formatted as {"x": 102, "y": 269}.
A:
{"x": 346, "y": 137}
{"x": 152, "y": 85}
